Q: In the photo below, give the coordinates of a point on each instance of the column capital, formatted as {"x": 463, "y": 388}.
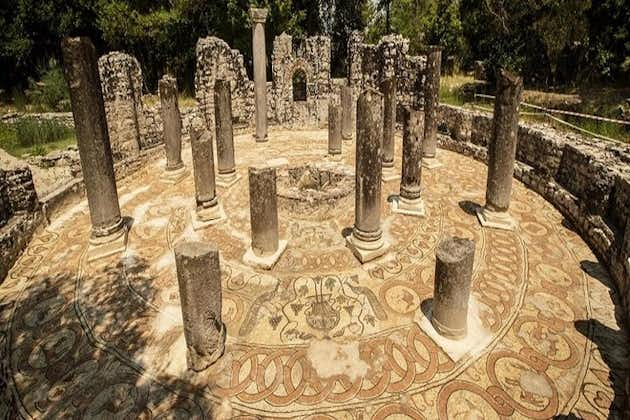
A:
{"x": 258, "y": 15}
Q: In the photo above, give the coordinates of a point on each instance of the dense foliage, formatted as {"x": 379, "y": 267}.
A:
{"x": 549, "y": 41}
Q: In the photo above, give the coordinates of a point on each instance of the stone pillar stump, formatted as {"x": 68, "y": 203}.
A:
{"x": 208, "y": 210}
{"x": 175, "y": 170}
{"x": 431, "y": 105}
{"x": 334, "y": 129}
{"x": 366, "y": 240}
{"x": 227, "y": 175}
{"x": 109, "y": 230}
{"x": 451, "y": 293}
{"x": 199, "y": 278}
{"x": 410, "y": 200}
{"x": 258, "y": 18}
{"x": 346, "y": 110}
{"x": 266, "y": 247}
{"x": 502, "y": 153}
{"x": 388, "y": 88}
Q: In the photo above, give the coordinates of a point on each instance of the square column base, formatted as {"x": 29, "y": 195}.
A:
{"x": 227, "y": 181}
{"x": 367, "y": 253}
{"x": 110, "y": 245}
{"x": 267, "y": 262}
{"x": 415, "y": 208}
{"x": 174, "y": 177}
{"x": 348, "y": 138}
{"x": 431, "y": 163}
{"x": 496, "y": 220}
{"x": 204, "y": 218}
{"x": 389, "y": 175}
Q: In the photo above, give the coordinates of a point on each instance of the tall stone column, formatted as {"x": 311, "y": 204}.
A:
{"x": 225, "y": 134}
{"x": 366, "y": 240}
{"x": 451, "y": 293}
{"x": 502, "y": 153}
{"x": 431, "y": 104}
{"x": 199, "y": 278}
{"x": 410, "y": 201}
{"x": 208, "y": 211}
{"x": 266, "y": 248}
{"x": 346, "y": 109}
{"x": 334, "y": 129}
{"x": 109, "y": 230}
{"x": 388, "y": 88}
{"x": 175, "y": 170}
{"x": 258, "y": 18}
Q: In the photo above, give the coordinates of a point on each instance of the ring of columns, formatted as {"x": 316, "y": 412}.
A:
{"x": 84, "y": 334}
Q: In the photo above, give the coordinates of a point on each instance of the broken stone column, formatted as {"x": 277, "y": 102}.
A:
{"x": 109, "y": 230}
{"x": 346, "y": 110}
{"x": 199, "y": 278}
{"x": 388, "y": 88}
{"x": 366, "y": 240}
{"x": 334, "y": 129}
{"x": 451, "y": 293}
{"x": 225, "y": 134}
{"x": 258, "y": 18}
{"x": 208, "y": 210}
{"x": 175, "y": 170}
{"x": 410, "y": 200}
{"x": 502, "y": 153}
{"x": 266, "y": 248}
{"x": 431, "y": 105}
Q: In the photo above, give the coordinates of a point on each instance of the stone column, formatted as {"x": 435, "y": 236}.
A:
{"x": 431, "y": 104}
{"x": 199, "y": 278}
{"x": 258, "y": 18}
{"x": 346, "y": 110}
{"x": 109, "y": 231}
{"x": 502, "y": 153}
{"x": 388, "y": 88}
{"x": 334, "y": 129}
{"x": 410, "y": 200}
{"x": 208, "y": 211}
{"x": 175, "y": 170}
{"x": 225, "y": 134}
{"x": 266, "y": 247}
{"x": 366, "y": 240}
{"x": 451, "y": 293}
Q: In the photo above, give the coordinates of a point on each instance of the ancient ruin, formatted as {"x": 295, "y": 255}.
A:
{"x": 316, "y": 269}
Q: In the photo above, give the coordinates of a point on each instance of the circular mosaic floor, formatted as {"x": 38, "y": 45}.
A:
{"x": 104, "y": 339}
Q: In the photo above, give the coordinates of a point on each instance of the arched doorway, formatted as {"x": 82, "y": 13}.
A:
{"x": 299, "y": 86}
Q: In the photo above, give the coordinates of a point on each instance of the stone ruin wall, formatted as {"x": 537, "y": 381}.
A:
{"x": 586, "y": 179}
{"x": 312, "y": 57}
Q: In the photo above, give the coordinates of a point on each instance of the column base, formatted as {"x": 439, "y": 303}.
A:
{"x": 197, "y": 362}
{"x": 389, "y": 174}
{"x": 106, "y": 246}
{"x": 446, "y": 332}
{"x": 227, "y": 180}
{"x": 266, "y": 262}
{"x": 366, "y": 251}
{"x": 496, "y": 220}
{"x": 400, "y": 205}
{"x": 205, "y": 217}
{"x": 175, "y": 176}
{"x": 431, "y": 163}
{"x": 334, "y": 155}
{"x": 264, "y": 139}
{"x": 346, "y": 137}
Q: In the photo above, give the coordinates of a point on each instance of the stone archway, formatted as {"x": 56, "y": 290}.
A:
{"x": 299, "y": 83}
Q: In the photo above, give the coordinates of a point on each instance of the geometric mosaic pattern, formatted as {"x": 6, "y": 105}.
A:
{"x": 104, "y": 339}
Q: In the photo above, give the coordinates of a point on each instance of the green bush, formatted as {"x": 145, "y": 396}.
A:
{"x": 31, "y": 132}
{"x": 51, "y": 92}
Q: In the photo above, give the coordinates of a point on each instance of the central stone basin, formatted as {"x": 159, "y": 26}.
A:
{"x": 313, "y": 191}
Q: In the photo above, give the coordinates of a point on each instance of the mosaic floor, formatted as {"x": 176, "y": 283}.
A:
{"x": 105, "y": 340}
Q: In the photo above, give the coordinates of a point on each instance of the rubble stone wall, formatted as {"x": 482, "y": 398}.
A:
{"x": 588, "y": 180}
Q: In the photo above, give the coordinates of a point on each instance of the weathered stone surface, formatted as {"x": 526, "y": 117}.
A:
{"x": 413, "y": 135}
{"x": 263, "y": 207}
{"x": 388, "y": 89}
{"x": 224, "y": 128}
{"x": 502, "y": 149}
{"x": 258, "y": 18}
{"x": 346, "y": 110}
{"x": 431, "y": 101}
{"x": 199, "y": 278}
{"x": 203, "y": 165}
{"x": 451, "y": 293}
{"x": 334, "y": 129}
{"x": 92, "y": 136}
{"x": 172, "y": 122}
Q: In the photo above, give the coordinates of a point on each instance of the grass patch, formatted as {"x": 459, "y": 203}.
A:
{"x": 29, "y": 136}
